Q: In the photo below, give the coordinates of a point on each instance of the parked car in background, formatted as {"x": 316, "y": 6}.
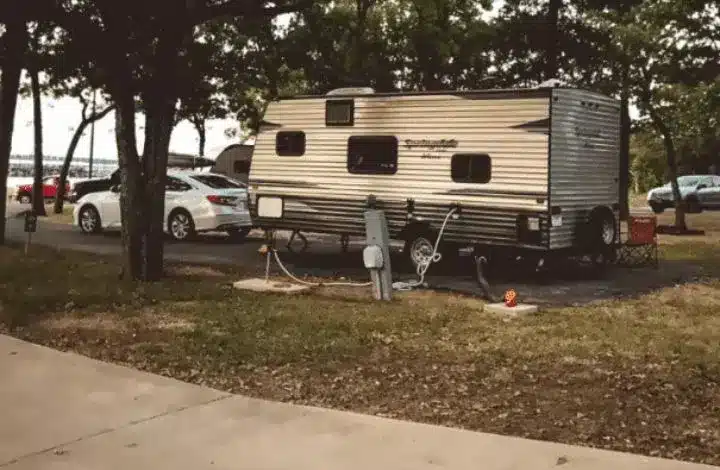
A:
{"x": 700, "y": 191}
{"x": 194, "y": 202}
{"x": 81, "y": 188}
{"x": 24, "y": 192}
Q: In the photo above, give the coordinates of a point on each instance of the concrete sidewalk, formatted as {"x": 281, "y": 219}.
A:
{"x": 64, "y": 411}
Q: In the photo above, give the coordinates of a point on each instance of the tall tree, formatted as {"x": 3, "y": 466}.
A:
{"x": 663, "y": 44}
{"x": 34, "y": 66}
{"x": 139, "y": 48}
{"x": 12, "y": 59}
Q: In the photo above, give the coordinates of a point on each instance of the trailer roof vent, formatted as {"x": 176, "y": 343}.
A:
{"x": 351, "y": 91}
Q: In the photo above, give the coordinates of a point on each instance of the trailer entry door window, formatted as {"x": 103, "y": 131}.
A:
{"x": 372, "y": 154}
{"x": 471, "y": 168}
{"x": 290, "y": 143}
{"x": 339, "y": 112}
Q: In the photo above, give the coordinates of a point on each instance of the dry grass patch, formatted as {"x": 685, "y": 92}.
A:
{"x": 639, "y": 375}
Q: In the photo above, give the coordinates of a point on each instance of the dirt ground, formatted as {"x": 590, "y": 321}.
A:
{"x": 681, "y": 259}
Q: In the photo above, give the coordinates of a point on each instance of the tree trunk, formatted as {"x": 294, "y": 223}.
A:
{"x": 199, "y": 124}
{"x": 671, "y": 154}
{"x": 38, "y": 196}
{"x": 552, "y": 50}
{"x": 158, "y": 127}
{"x": 86, "y": 121}
{"x": 680, "y": 209}
{"x": 65, "y": 169}
{"x": 12, "y": 48}
{"x": 131, "y": 186}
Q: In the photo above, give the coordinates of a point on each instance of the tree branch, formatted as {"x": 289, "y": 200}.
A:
{"x": 97, "y": 116}
{"x": 245, "y": 9}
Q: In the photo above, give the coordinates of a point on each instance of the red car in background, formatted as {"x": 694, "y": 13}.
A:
{"x": 50, "y": 187}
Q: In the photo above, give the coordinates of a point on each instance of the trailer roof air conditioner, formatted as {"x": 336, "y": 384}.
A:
{"x": 351, "y": 91}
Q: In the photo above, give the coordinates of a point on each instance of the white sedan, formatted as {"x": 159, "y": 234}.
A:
{"x": 194, "y": 202}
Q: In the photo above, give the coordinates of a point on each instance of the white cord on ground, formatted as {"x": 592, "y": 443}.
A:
{"x": 315, "y": 284}
{"x": 403, "y": 286}
{"x": 423, "y": 267}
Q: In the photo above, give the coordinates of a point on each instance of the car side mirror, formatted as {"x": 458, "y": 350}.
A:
{"x": 115, "y": 188}
{"x": 702, "y": 186}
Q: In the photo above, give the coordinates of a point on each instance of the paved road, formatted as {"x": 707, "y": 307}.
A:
{"x": 65, "y": 411}
{"x": 569, "y": 285}
{"x": 211, "y": 249}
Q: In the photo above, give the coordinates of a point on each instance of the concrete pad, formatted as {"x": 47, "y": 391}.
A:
{"x": 48, "y": 398}
{"x": 261, "y": 285}
{"x": 242, "y": 433}
{"x": 519, "y": 309}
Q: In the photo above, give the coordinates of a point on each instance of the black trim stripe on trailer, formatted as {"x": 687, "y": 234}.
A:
{"x": 485, "y": 192}
{"x": 541, "y": 126}
{"x": 297, "y": 184}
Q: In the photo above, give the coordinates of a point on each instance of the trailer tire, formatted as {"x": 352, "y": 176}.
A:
{"x": 419, "y": 244}
{"x": 601, "y": 236}
{"x": 601, "y": 229}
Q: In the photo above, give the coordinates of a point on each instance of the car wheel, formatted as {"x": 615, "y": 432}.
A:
{"x": 24, "y": 199}
{"x": 238, "y": 234}
{"x": 657, "y": 207}
{"x": 181, "y": 226}
{"x": 89, "y": 220}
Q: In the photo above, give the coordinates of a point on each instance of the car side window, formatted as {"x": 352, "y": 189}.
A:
{"x": 174, "y": 184}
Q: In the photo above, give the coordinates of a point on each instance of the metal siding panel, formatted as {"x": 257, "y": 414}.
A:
{"x": 584, "y": 158}
{"x": 326, "y": 198}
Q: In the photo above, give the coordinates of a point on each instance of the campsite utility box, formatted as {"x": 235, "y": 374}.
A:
{"x": 532, "y": 170}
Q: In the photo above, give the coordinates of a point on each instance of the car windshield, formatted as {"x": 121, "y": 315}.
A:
{"x": 217, "y": 182}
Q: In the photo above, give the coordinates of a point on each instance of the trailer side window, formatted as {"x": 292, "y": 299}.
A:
{"x": 290, "y": 143}
{"x": 471, "y": 168}
{"x": 372, "y": 154}
{"x": 339, "y": 112}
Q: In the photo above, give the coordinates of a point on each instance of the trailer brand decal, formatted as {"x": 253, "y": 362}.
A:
{"x": 431, "y": 144}
{"x": 587, "y": 134}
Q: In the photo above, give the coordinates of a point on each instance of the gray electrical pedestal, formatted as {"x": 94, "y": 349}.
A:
{"x": 376, "y": 255}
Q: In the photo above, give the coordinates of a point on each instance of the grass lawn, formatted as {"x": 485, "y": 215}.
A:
{"x": 639, "y": 375}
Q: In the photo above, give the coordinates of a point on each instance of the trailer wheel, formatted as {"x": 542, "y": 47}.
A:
{"x": 602, "y": 229}
{"x": 419, "y": 245}
{"x": 601, "y": 236}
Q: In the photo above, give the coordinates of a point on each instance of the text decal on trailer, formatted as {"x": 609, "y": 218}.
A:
{"x": 431, "y": 144}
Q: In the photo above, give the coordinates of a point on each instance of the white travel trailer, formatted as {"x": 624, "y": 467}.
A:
{"x": 529, "y": 171}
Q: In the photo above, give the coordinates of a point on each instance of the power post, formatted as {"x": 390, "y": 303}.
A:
{"x": 376, "y": 255}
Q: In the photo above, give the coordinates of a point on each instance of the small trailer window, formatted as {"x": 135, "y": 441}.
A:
{"x": 471, "y": 168}
{"x": 372, "y": 154}
{"x": 339, "y": 112}
{"x": 290, "y": 143}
